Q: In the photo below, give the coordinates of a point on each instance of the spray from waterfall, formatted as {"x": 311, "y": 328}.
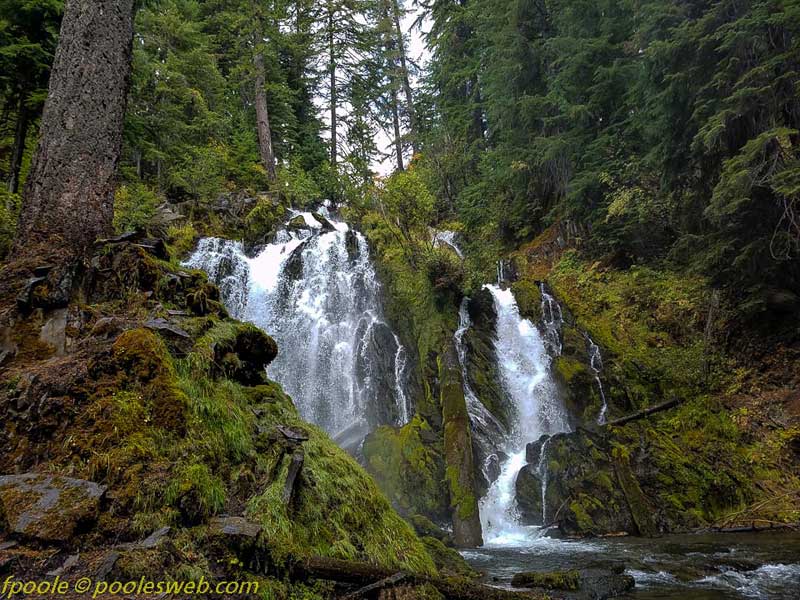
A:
{"x": 315, "y": 290}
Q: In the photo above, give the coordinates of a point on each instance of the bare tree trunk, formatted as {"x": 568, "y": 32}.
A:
{"x": 334, "y": 96}
{"x": 412, "y": 113}
{"x": 262, "y": 118}
{"x": 20, "y": 135}
{"x": 68, "y": 200}
{"x": 398, "y": 139}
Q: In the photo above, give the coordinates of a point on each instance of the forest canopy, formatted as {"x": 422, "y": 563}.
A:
{"x": 668, "y": 130}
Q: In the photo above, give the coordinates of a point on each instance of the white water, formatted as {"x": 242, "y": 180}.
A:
{"x": 449, "y": 239}
{"x": 338, "y": 359}
{"x": 596, "y": 363}
{"x": 525, "y": 373}
{"x": 552, "y": 320}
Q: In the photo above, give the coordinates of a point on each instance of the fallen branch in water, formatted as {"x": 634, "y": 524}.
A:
{"x": 645, "y": 413}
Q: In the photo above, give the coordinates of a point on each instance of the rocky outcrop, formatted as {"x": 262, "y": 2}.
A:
{"x": 459, "y": 457}
{"x": 48, "y": 508}
{"x": 578, "y": 584}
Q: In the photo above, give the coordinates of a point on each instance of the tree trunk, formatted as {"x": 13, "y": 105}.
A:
{"x": 20, "y": 135}
{"x": 262, "y": 118}
{"x": 398, "y": 138}
{"x": 412, "y": 113}
{"x": 334, "y": 96}
{"x": 68, "y": 200}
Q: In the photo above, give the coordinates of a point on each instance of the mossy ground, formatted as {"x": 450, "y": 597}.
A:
{"x": 178, "y": 439}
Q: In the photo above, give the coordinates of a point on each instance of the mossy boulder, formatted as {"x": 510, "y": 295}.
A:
{"x": 579, "y": 386}
{"x": 48, "y": 508}
{"x": 237, "y": 351}
{"x": 529, "y": 299}
{"x": 550, "y": 580}
{"x": 448, "y": 561}
{"x": 528, "y": 492}
{"x": 408, "y": 465}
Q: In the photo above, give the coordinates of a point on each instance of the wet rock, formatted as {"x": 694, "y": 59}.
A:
{"x": 533, "y": 451}
{"x": 375, "y": 365}
{"x": 351, "y": 244}
{"x": 107, "y": 565}
{"x": 529, "y": 495}
{"x": 582, "y": 584}
{"x": 427, "y": 528}
{"x": 326, "y": 224}
{"x": 296, "y": 223}
{"x": 48, "y": 507}
{"x": 293, "y": 267}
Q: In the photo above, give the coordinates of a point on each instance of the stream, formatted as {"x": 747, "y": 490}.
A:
{"x": 686, "y": 567}
{"x": 315, "y": 290}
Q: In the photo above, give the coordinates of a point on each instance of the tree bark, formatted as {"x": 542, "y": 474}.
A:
{"x": 68, "y": 200}
{"x": 20, "y": 135}
{"x": 645, "y": 413}
{"x": 412, "y": 113}
{"x": 262, "y": 118}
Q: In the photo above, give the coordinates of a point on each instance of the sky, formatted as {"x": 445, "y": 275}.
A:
{"x": 419, "y": 54}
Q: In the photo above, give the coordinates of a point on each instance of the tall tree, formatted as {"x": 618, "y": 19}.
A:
{"x": 68, "y": 200}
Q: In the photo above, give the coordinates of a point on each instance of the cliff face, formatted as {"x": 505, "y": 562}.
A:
{"x": 144, "y": 413}
{"x": 725, "y": 455}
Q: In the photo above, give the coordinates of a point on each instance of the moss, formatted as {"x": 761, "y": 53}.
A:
{"x": 529, "y": 299}
{"x": 567, "y": 369}
{"x": 407, "y": 469}
{"x": 338, "y": 512}
{"x": 448, "y": 561}
{"x": 196, "y": 492}
{"x": 552, "y": 580}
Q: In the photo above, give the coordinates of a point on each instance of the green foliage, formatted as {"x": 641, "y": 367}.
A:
{"x": 134, "y": 206}
{"x": 296, "y": 186}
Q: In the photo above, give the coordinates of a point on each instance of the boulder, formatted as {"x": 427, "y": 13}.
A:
{"x": 49, "y": 508}
{"x": 234, "y": 527}
{"x": 578, "y": 584}
{"x": 529, "y": 495}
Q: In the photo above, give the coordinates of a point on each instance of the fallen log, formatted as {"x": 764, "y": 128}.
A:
{"x": 378, "y": 585}
{"x": 644, "y": 413}
{"x": 365, "y": 574}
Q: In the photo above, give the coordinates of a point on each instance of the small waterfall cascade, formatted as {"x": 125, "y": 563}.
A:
{"x": 596, "y": 364}
{"x": 315, "y": 290}
{"x": 524, "y": 363}
{"x": 487, "y": 431}
{"x": 446, "y": 238}
{"x": 541, "y": 470}
{"x": 552, "y": 320}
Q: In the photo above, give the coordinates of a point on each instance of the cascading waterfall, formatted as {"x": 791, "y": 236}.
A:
{"x": 447, "y": 238}
{"x": 525, "y": 374}
{"x": 596, "y": 363}
{"x": 316, "y": 292}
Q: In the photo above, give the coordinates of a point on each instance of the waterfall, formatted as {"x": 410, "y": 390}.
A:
{"x": 487, "y": 431}
{"x": 552, "y": 319}
{"x": 596, "y": 363}
{"x": 447, "y": 238}
{"x": 525, "y": 374}
{"x": 315, "y": 290}
{"x": 541, "y": 470}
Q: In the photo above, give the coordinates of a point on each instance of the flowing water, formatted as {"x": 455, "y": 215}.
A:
{"x": 679, "y": 567}
{"x": 315, "y": 290}
{"x": 524, "y": 365}
{"x": 596, "y": 363}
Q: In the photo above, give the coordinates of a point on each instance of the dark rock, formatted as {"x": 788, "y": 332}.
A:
{"x": 293, "y": 267}
{"x": 245, "y": 356}
{"x": 529, "y": 496}
{"x": 351, "y": 244}
{"x": 107, "y": 565}
{"x": 234, "y": 527}
{"x": 292, "y": 434}
{"x": 533, "y": 451}
{"x": 70, "y": 562}
{"x": 581, "y": 584}
{"x": 427, "y": 528}
{"x": 48, "y": 507}
{"x": 164, "y": 325}
{"x": 297, "y": 222}
{"x": 154, "y": 538}
{"x": 375, "y": 366}
{"x": 326, "y": 224}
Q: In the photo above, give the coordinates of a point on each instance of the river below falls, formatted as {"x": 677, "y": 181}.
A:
{"x": 686, "y": 567}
